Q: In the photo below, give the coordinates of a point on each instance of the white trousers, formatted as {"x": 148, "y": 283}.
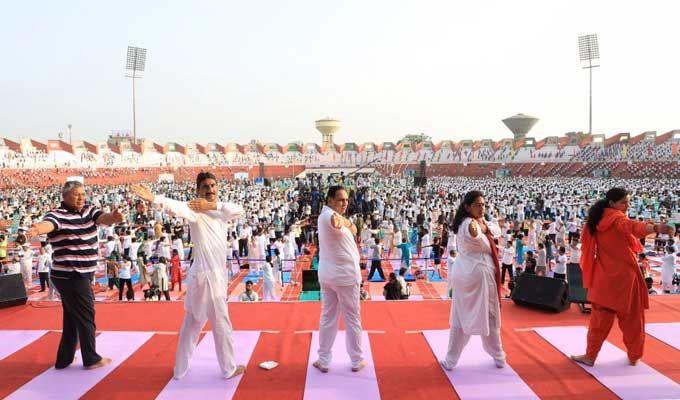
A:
{"x": 27, "y": 271}
{"x": 491, "y": 343}
{"x": 268, "y": 293}
{"x": 336, "y": 300}
{"x": 218, "y": 315}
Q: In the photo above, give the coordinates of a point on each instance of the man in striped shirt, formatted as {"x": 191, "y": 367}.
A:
{"x": 72, "y": 231}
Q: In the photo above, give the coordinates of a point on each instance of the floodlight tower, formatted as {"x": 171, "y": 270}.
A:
{"x": 589, "y": 51}
{"x": 134, "y": 69}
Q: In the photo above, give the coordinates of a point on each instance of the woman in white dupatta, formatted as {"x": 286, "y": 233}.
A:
{"x": 475, "y": 306}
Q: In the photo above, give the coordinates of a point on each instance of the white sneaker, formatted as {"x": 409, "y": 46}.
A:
{"x": 499, "y": 363}
{"x": 358, "y": 367}
{"x": 445, "y": 365}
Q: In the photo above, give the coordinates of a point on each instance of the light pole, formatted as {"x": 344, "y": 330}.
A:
{"x": 134, "y": 69}
{"x": 589, "y": 51}
{"x": 70, "y": 141}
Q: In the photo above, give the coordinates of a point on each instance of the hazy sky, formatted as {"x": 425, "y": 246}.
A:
{"x": 239, "y": 70}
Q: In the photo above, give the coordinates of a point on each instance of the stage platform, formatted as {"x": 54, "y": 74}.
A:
{"x": 403, "y": 341}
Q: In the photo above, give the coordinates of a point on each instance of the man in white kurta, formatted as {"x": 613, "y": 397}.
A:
{"x": 340, "y": 277}
{"x": 268, "y": 281}
{"x": 475, "y": 308}
{"x": 207, "y": 279}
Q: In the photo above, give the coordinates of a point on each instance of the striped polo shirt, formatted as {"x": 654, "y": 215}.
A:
{"x": 74, "y": 239}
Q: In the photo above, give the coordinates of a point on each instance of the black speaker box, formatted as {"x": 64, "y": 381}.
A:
{"x": 577, "y": 293}
{"x": 541, "y": 292}
{"x": 12, "y": 290}
{"x": 420, "y": 181}
{"x": 310, "y": 280}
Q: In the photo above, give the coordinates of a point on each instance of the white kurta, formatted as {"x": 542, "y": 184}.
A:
{"x": 269, "y": 280}
{"x": 667, "y": 271}
{"x": 474, "y": 284}
{"x": 162, "y": 276}
{"x": 475, "y": 309}
{"x": 207, "y": 280}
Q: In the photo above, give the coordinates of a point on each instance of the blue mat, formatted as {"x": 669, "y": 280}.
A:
{"x": 310, "y": 296}
{"x": 375, "y": 278}
{"x": 286, "y": 276}
{"x": 409, "y": 277}
{"x": 434, "y": 277}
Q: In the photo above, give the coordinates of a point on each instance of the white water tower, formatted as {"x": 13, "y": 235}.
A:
{"x": 327, "y": 127}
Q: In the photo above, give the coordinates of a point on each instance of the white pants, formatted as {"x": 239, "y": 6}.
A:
{"x": 268, "y": 291}
{"x": 334, "y": 300}
{"x": 491, "y": 342}
{"x": 218, "y": 315}
{"x": 27, "y": 271}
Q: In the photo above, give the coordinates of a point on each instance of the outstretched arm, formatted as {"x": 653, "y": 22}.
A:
{"x": 113, "y": 217}
{"x": 178, "y": 208}
{"x": 40, "y": 228}
{"x": 228, "y": 210}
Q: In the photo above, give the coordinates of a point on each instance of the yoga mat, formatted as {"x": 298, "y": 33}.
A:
{"x": 378, "y": 297}
{"x": 312, "y": 295}
{"x": 286, "y": 276}
{"x": 204, "y": 379}
{"x": 74, "y": 381}
{"x": 434, "y": 277}
{"x": 376, "y": 278}
{"x": 668, "y": 333}
{"x": 340, "y": 382}
{"x": 611, "y": 367}
{"x": 13, "y": 341}
{"x": 416, "y": 297}
{"x": 476, "y": 376}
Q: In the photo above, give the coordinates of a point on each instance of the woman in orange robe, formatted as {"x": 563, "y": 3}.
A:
{"x": 616, "y": 287}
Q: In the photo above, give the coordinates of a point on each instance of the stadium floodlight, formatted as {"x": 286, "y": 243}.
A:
{"x": 590, "y": 52}
{"x": 134, "y": 69}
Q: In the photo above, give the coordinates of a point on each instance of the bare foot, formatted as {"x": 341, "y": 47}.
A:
{"x": 359, "y": 367}
{"x": 633, "y": 362}
{"x": 101, "y": 363}
{"x": 318, "y": 366}
{"x": 240, "y": 369}
{"x": 583, "y": 360}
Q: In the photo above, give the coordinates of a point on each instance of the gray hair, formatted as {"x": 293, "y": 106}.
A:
{"x": 68, "y": 186}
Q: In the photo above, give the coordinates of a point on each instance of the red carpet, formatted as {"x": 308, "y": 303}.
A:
{"x": 404, "y": 364}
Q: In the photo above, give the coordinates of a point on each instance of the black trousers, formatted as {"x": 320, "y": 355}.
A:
{"x": 77, "y": 301}
{"x": 243, "y": 247}
{"x": 44, "y": 282}
{"x": 121, "y": 287}
{"x": 375, "y": 265}
{"x": 505, "y": 267}
{"x": 559, "y": 276}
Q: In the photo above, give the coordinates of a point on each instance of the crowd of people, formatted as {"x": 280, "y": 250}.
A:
{"x": 516, "y": 226}
{"x": 538, "y": 222}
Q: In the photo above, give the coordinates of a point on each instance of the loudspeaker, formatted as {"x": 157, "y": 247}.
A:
{"x": 421, "y": 169}
{"x": 541, "y": 292}
{"x": 577, "y": 293}
{"x": 12, "y": 290}
{"x": 420, "y": 181}
{"x": 261, "y": 170}
{"x": 310, "y": 280}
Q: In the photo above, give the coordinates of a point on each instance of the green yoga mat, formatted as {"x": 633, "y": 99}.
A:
{"x": 310, "y": 296}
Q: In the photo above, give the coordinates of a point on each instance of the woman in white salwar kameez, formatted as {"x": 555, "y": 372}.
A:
{"x": 475, "y": 306}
